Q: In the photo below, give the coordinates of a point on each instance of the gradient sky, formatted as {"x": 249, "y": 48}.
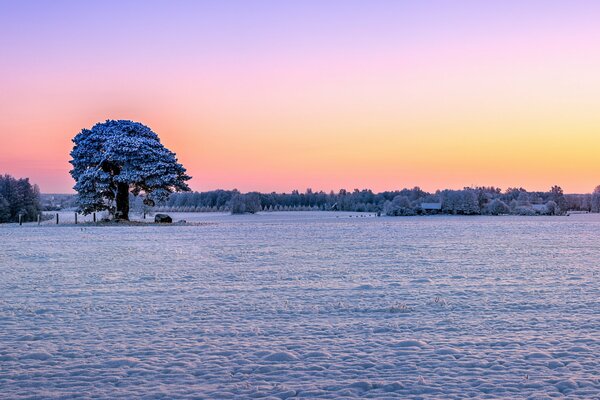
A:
{"x": 278, "y": 95}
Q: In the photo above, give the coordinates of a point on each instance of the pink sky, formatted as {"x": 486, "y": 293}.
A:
{"x": 274, "y": 96}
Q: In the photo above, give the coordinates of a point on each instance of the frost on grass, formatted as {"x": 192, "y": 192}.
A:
{"x": 302, "y": 306}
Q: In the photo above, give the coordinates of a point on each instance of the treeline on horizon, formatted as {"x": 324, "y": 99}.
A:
{"x": 468, "y": 201}
{"x": 18, "y": 197}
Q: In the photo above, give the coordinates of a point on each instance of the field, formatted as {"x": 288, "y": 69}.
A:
{"x": 318, "y": 305}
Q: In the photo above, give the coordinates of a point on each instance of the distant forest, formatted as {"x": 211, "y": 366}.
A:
{"x": 468, "y": 201}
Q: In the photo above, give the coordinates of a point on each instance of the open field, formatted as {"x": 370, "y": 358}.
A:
{"x": 321, "y": 305}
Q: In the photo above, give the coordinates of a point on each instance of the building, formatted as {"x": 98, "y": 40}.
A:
{"x": 431, "y": 208}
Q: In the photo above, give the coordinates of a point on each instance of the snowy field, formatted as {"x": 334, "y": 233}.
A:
{"x": 317, "y": 305}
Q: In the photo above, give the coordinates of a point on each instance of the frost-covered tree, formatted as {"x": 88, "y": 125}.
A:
{"x": 557, "y": 195}
{"x": 18, "y": 197}
{"x": 551, "y": 208}
{"x": 238, "y": 205}
{"x": 523, "y": 200}
{"x": 399, "y": 206}
{"x": 253, "y": 202}
{"x": 497, "y": 207}
{"x": 595, "y": 206}
{"x": 245, "y": 203}
{"x": 460, "y": 202}
{"x": 4, "y": 209}
{"x": 579, "y": 202}
{"x": 115, "y": 158}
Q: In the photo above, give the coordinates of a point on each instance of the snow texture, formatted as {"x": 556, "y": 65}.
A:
{"x": 303, "y": 305}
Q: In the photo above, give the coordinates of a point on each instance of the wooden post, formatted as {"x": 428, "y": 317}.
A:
{"x": 39, "y": 218}
{"x": 75, "y": 218}
{"x": 144, "y": 214}
{"x": 56, "y": 218}
{"x": 20, "y": 219}
{"x": 94, "y": 217}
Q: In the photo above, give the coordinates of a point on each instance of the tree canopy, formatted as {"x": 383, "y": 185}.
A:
{"x": 115, "y": 158}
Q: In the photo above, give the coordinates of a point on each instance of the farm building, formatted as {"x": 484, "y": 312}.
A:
{"x": 431, "y": 208}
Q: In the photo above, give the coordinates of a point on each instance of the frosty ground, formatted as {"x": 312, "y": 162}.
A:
{"x": 318, "y": 305}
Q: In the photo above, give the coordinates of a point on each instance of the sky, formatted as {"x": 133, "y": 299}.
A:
{"x": 282, "y": 95}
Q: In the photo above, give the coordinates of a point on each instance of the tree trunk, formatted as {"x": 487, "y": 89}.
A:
{"x": 122, "y": 202}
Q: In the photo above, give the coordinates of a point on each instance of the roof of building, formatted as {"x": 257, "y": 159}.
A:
{"x": 431, "y": 206}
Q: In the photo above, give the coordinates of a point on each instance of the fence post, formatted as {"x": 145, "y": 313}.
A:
{"x": 20, "y": 219}
{"x": 39, "y": 219}
{"x": 75, "y": 218}
{"x": 94, "y": 217}
{"x": 56, "y": 218}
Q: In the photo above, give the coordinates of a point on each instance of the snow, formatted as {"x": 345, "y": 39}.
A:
{"x": 302, "y": 305}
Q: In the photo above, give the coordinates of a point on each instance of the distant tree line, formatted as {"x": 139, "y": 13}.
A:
{"x": 18, "y": 197}
{"x": 468, "y": 201}
{"x": 234, "y": 201}
{"x": 483, "y": 200}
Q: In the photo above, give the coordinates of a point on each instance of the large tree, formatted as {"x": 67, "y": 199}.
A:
{"x": 116, "y": 158}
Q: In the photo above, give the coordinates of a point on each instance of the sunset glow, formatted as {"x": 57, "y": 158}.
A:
{"x": 275, "y": 96}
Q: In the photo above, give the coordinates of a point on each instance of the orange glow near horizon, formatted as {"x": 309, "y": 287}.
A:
{"x": 509, "y": 106}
